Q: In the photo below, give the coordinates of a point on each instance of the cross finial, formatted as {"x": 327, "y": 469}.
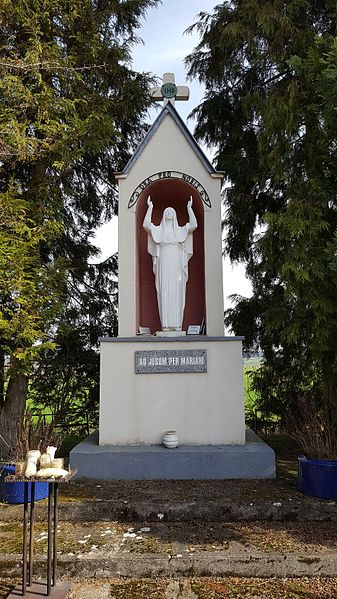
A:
{"x": 169, "y": 92}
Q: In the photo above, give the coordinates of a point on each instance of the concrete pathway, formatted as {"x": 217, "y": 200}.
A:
{"x": 175, "y": 540}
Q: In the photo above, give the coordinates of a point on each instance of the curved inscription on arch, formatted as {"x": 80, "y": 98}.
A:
{"x": 170, "y": 175}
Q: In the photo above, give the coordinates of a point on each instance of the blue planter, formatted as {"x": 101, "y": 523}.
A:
{"x": 14, "y": 492}
{"x": 317, "y": 478}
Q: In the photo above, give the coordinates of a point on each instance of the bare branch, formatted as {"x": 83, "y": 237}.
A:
{"x": 47, "y": 66}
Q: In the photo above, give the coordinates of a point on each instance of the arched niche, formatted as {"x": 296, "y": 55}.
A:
{"x": 175, "y": 193}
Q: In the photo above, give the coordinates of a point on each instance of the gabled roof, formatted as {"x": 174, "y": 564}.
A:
{"x": 169, "y": 109}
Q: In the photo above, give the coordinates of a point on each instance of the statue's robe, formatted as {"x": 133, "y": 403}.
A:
{"x": 171, "y": 247}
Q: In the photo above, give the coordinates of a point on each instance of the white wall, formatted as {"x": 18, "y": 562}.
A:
{"x": 168, "y": 149}
{"x": 204, "y": 408}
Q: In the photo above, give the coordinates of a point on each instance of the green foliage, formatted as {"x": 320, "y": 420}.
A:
{"x": 270, "y": 110}
{"x": 30, "y": 292}
{"x": 73, "y": 366}
{"x": 71, "y": 111}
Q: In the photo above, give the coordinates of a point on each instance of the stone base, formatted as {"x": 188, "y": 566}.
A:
{"x": 205, "y": 407}
{"x": 253, "y": 460}
{"x": 39, "y": 589}
{"x": 170, "y": 333}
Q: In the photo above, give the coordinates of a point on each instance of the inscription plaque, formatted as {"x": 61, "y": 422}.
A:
{"x": 170, "y": 360}
{"x": 170, "y": 175}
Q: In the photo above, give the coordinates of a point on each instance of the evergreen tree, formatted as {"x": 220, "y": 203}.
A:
{"x": 71, "y": 110}
{"x": 269, "y": 68}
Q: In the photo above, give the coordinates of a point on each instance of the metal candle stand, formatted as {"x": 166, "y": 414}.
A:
{"x": 28, "y": 544}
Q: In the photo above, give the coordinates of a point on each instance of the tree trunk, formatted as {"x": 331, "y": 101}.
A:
{"x": 11, "y": 412}
{"x": 2, "y": 379}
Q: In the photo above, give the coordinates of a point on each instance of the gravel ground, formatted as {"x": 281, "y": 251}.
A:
{"x": 273, "y": 522}
{"x": 206, "y": 588}
{"x": 199, "y": 588}
{"x": 115, "y": 537}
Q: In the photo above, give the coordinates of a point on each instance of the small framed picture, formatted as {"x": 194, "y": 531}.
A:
{"x": 193, "y": 329}
{"x": 144, "y": 331}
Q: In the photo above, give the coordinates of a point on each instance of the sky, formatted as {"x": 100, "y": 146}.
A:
{"x": 164, "y": 49}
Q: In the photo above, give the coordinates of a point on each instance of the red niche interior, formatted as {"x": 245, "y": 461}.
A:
{"x": 174, "y": 193}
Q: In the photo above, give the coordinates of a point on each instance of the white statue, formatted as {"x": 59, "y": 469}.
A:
{"x": 171, "y": 247}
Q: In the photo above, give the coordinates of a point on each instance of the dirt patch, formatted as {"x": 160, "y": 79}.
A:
{"x": 179, "y": 491}
{"x": 283, "y": 537}
{"x": 173, "y": 538}
{"x": 209, "y": 588}
{"x": 72, "y": 538}
{"x": 287, "y": 537}
{"x": 6, "y": 586}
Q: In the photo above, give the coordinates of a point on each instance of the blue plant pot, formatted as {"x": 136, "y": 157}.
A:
{"x": 14, "y": 492}
{"x": 317, "y": 478}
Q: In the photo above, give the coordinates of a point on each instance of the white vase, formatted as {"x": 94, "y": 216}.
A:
{"x": 170, "y": 439}
{"x": 31, "y": 466}
{"x": 51, "y": 452}
{"x": 45, "y": 461}
{"x": 33, "y": 453}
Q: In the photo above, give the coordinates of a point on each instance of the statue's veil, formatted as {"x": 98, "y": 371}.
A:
{"x": 182, "y": 236}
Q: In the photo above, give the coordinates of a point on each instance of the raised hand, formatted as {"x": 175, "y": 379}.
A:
{"x": 190, "y": 202}
{"x": 149, "y": 203}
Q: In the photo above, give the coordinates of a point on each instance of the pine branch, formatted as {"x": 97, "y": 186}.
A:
{"x": 22, "y": 66}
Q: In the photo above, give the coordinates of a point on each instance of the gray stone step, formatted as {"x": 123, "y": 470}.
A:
{"x": 132, "y": 510}
{"x": 256, "y": 564}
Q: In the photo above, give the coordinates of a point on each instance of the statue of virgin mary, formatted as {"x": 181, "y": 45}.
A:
{"x": 171, "y": 247}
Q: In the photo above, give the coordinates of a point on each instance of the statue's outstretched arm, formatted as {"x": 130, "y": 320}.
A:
{"x": 148, "y": 215}
{"x": 192, "y": 224}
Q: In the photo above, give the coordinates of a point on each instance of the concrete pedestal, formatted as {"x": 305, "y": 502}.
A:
{"x": 253, "y": 460}
{"x": 205, "y": 405}
{"x": 190, "y": 384}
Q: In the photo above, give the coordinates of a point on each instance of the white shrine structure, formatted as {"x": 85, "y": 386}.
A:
{"x": 189, "y": 381}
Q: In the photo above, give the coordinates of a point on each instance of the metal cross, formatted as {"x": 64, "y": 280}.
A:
{"x": 169, "y": 91}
